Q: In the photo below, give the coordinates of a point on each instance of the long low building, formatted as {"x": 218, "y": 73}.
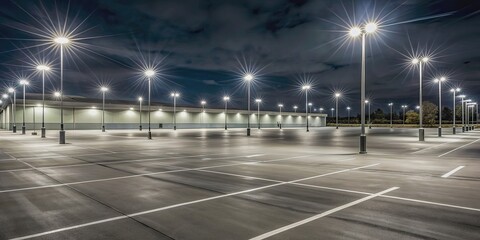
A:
{"x": 82, "y": 114}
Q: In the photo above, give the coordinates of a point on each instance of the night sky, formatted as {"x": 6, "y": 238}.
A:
{"x": 200, "y": 48}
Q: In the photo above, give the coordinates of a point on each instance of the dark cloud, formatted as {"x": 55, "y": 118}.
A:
{"x": 203, "y": 40}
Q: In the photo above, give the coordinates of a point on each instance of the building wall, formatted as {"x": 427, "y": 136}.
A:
{"x": 89, "y": 118}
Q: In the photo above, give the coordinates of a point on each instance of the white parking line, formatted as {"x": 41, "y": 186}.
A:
{"x": 142, "y": 175}
{"x": 441, "y": 155}
{"x": 321, "y": 215}
{"x": 255, "y": 155}
{"x": 183, "y": 204}
{"x": 446, "y": 175}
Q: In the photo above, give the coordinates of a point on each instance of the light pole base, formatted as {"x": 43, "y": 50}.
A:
{"x": 149, "y": 135}
{"x": 248, "y": 131}
{"x": 103, "y": 128}
{"x": 439, "y": 131}
{"x": 140, "y": 128}
{"x": 34, "y": 133}
{"x": 369, "y": 127}
{"x": 174, "y": 127}
{"x": 24, "y": 130}
{"x": 421, "y": 134}
{"x": 463, "y": 128}
{"x": 308, "y": 130}
{"x": 454, "y": 130}
{"x": 62, "y": 137}
{"x": 363, "y": 144}
{"x": 14, "y": 129}
{"x": 225, "y": 127}
{"x": 336, "y": 127}
{"x": 44, "y": 131}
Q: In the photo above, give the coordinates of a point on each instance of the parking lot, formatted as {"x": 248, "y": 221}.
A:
{"x": 216, "y": 184}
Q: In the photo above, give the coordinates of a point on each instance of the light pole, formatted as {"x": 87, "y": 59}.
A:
{"x": 226, "y": 99}
{"x": 14, "y": 108}
{"x": 248, "y": 78}
{"x": 24, "y": 83}
{"x": 355, "y": 32}
{"x": 306, "y": 88}
{"x": 140, "y": 100}
{"x": 439, "y": 81}
{"x": 280, "y": 106}
{"x": 61, "y": 41}
{"x": 175, "y": 95}
{"x": 295, "y": 108}
{"x": 403, "y": 116}
{"x": 104, "y": 90}
{"x": 203, "y": 102}
{"x": 391, "y": 114}
{"x": 420, "y": 62}
{"x": 348, "y": 110}
{"x": 258, "y": 101}
{"x": 310, "y": 107}
{"x": 34, "y": 123}
{"x": 463, "y": 112}
{"x": 321, "y": 110}
{"x": 43, "y": 68}
{"x": 332, "y": 109}
{"x": 369, "y": 114}
{"x": 149, "y": 74}
{"x": 337, "y": 95}
{"x": 454, "y": 91}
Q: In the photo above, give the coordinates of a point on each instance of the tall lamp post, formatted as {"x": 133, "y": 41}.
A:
{"x": 43, "y": 68}
{"x": 369, "y": 114}
{"x": 391, "y": 114}
{"x": 149, "y": 74}
{"x": 248, "y": 78}
{"x": 332, "y": 109}
{"x": 348, "y": 110}
{"x": 140, "y": 100}
{"x": 454, "y": 91}
{"x": 24, "y": 83}
{"x": 439, "y": 81}
{"x": 369, "y": 28}
{"x": 226, "y": 99}
{"x": 462, "y": 97}
{"x": 104, "y": 90}
{"x": 203, "y": 103}
{"x": 310, "y": 107}
{"x": 295, "y": 108}
{"x": 306, "y": 88}
{"x": 14, "y": 108}
{"x": 280, "y": 106}
{"x": 337, "y": 95}
{"x": 258, "y": 101}
{"x": 175, "y": 95}
{"x": 403, "y": 116}
{"x": 421, "y": 62}
{"x": 61, "y": 41}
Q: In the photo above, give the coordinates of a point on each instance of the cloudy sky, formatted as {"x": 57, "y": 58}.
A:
{"x": 202, "y": 48}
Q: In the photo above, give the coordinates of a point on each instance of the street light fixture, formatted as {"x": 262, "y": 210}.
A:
{"x": 104, "y": 90}
{"x": 306, "y": 88}
{"x": 258, "y": 101}
{"x": 280, "y": 106}
{"x": 24, "y": 83}
{"x": 337, "y": 95}
{"x": 439, "y": 81}
{"x": 348, "y": 110}
{"x": 140, "y": 100}
{"x": 369, "y": 114}
{"x": 454, "y": 91}
{"x": 369, "y": 28}
{"x": 462, "y": 97}
{"x": 295, "y": 108}
{"x": 61, "y": 40}
{"x": 175, "y": 95}
{"x": 43, "y": 68}
{"x": 248, "y": 78}
{"x": 421, "y": 62}
{"x": 403, "y": 116}
{"x": 203, "y": 103}
{"x": 149, "y": 73}
{"x": 332, "y": 109}
{"x": 391, "y": 114}
{"x": 226, "y": 99}
{"x": 14, "y": 108}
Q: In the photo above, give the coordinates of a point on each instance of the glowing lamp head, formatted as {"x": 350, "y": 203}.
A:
{"x": 248, "y": 77}
{"x": 140, "y": 99}
{"x": 258, "y": 100}
{"x": 226, "y": 98}
{"x": 371, "y": 27}
{"x": 295, "y": 107}
{"x": 203, "y": 102}
{"x": 348, "y": 108}
{"x": 321, "y": 109}
{"x": 332, "y": 109}
{"x": 175, "y": 94}
{"x": 415, "y": 61}
{"x": 462, "y": 96}
{"x": 280, "y": 105}
{"x": 1, "y": 102}
{"x": 61, "y": 40}
{"x": 443, "y": 79}
{"x": 436, "y": 80}
{"x": 310, "y": 104}
{"x": 425, "y": 59}
{"x": 131, "y": 109}
{"x": 149, "y": 73}
{"x": 458, "y": 90}
{"x": 11, "y": 90}
{"x": 103, "y": 89}
{"x": 56, "y": 94}
{"x": 390, "y": 104}
{"x": 5, "y": 96}
{"x": 23, "y": 82}
{"x": 355, "y": 32}
{"x": 366, "y": 101}
{"x": 306, "y": 87}
{"x": 43, "y": 68}
{"x": 337, "y": 95}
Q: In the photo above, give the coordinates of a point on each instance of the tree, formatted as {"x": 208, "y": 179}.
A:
{"x": 430, "y": 112}
{"x": 411, "y": 117}
{"x": 447, "y": 114}
{"x": 378, "y": 114}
